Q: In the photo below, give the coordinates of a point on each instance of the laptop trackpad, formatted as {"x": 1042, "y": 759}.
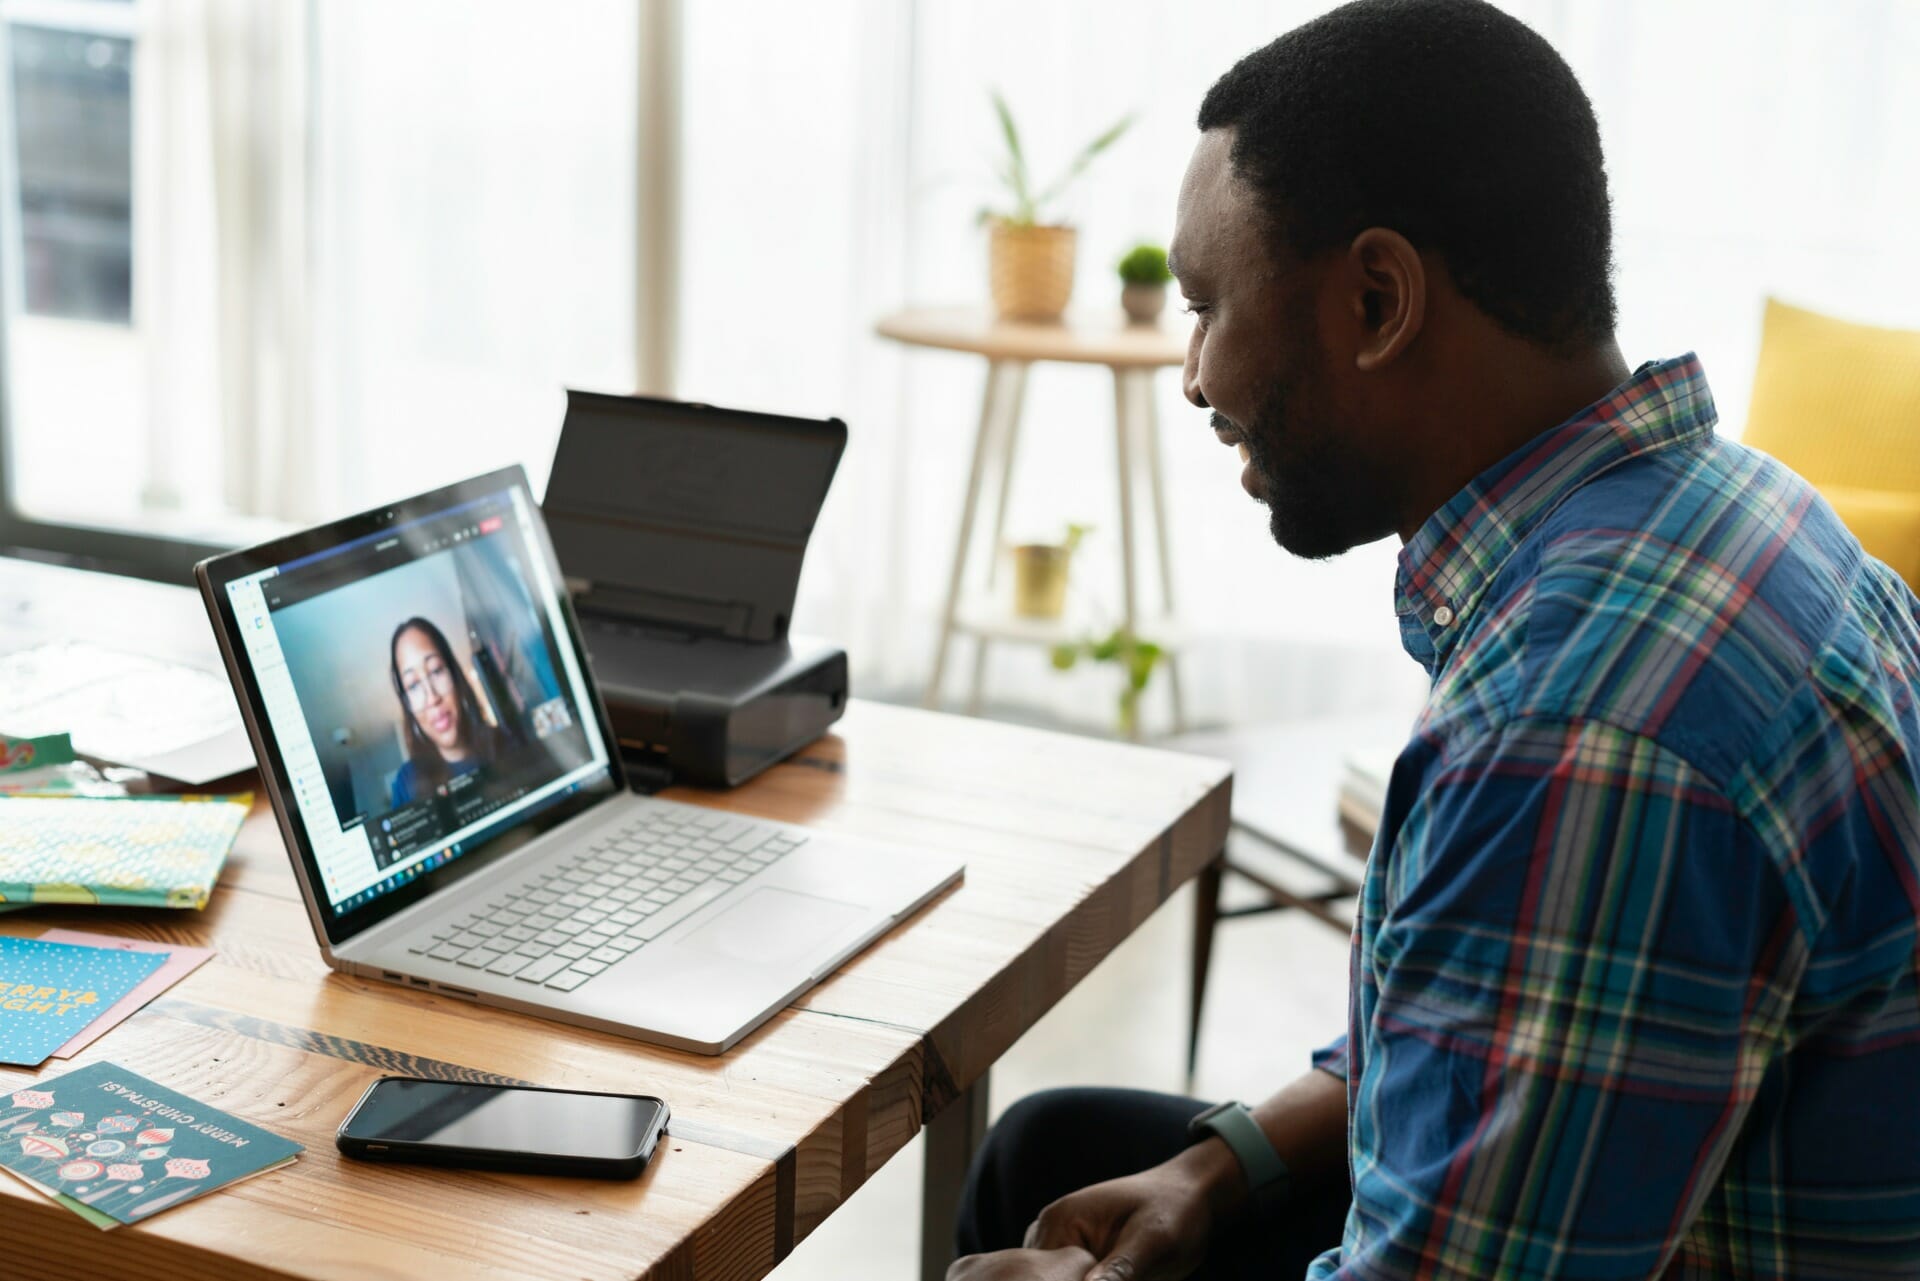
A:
{"x": 773, "y": 926}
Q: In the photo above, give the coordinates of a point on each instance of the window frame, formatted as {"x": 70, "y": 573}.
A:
{"x": 120, "y": 551}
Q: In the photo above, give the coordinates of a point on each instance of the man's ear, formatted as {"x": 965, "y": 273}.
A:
{"x": 1389, "y": 295}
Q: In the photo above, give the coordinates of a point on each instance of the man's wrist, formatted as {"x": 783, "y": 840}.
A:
{"x": 1267, "y": 1178}
{"x": 1211, "y": 1166}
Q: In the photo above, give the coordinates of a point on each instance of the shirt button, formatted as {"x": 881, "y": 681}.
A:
{"x": 1443, "y": 616}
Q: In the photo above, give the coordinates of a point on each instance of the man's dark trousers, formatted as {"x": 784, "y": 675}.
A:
{"x": 1060, "y": 1141}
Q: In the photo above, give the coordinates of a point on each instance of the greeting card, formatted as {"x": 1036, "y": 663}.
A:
{"x": 114, "y": 1147}
{"x": 180, "y": 961}
{"x": 51, "y": 991}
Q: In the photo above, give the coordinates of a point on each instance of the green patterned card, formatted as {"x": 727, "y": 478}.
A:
{"x": 147, "y": 851}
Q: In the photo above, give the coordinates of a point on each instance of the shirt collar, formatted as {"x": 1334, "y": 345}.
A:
{"x": 1446, "y": 568}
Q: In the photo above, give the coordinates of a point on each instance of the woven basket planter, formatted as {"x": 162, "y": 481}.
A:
{"x": 1030, "y": 270}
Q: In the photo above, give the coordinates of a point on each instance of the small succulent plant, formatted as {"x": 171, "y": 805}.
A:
{"x": 1145, "y": 265}
{"x": 1138, "y": 656}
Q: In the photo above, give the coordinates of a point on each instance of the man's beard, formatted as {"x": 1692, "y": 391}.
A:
{"x": 1317, "y": 494}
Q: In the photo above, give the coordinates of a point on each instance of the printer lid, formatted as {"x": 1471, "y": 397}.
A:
{"x": 687, "y": 516}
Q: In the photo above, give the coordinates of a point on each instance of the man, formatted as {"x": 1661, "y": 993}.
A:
{"x": 1634, "y": 966}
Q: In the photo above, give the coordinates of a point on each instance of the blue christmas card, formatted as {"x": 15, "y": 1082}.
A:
{"x": 114, "y": 1147}
{"x": 50, "y": 991}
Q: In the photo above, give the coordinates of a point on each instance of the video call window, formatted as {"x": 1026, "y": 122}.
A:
{"x": 429, "y": 678}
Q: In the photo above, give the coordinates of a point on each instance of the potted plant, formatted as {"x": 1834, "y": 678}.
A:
{"x": 1030, "y": 262}
{"x": 1040, "y": 575}
{"x": 1143, "y": 283}
{"x": 1136, "y": 656}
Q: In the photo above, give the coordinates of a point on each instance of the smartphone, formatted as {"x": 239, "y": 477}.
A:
{"x": 503, "y": 1127}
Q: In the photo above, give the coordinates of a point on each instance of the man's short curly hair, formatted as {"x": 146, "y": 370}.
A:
{"x": 1449, "y": 122}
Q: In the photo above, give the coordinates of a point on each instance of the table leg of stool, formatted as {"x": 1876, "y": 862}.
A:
{"x": 982, "y": 446}
{"x": 1008, "y": 437}
{"x": 1150, "y": 446}
{"x": 1123, "y": 432}
{"x": 979, "y": 680}
{"x": 952, "y": 1139}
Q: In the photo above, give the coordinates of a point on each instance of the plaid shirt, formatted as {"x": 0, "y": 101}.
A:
{"x": 1634, "y": 969}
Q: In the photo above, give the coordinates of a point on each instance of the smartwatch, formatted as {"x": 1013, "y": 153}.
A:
{"x": 1233, "y": 1124}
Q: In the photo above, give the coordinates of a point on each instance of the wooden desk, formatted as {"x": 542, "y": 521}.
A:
{"x": 1134, "y": 353}
{"x": 1070, "y": 843}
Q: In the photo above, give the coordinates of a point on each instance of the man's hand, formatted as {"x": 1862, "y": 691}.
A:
{"x": 1152, "y": 1226}
{"x": 1023, "y": 1265}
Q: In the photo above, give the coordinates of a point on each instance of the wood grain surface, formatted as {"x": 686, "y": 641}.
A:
{"x": 1070, "y": 843}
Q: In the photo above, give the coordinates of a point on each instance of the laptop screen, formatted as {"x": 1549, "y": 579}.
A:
{"x": 422, "y": 689}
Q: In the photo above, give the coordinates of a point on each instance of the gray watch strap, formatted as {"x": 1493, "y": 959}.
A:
{"x": 1266, "y": 1173}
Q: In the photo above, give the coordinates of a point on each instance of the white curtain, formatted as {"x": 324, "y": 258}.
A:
{"x": 377, "y": 243}
{"x": 473, "y": 234}
{"x": 220, "y": 256}
{"x": 372, "y": 244}
{"x": 836, "y": 154}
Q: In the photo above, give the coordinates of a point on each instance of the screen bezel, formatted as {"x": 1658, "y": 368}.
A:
{"x": 215, "y": 573}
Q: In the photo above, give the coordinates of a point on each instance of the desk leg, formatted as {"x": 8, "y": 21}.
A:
{"x": 997, "y": 371}
{"x": 1206, "y": 915}
{"x": 952, "y": 1139}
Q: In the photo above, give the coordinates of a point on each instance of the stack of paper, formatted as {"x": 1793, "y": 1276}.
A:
{"x": 114, "y": 1147}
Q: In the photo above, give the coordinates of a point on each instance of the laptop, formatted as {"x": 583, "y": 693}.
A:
{"x": 454, "y": 804}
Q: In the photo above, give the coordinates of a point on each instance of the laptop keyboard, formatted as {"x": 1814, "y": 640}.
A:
{"x": 597, "y": 907}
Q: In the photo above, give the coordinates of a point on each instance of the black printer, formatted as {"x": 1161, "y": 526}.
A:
{"x": 681, "y": 529}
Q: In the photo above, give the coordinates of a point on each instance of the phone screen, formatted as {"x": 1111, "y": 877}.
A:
{"x": 505, "y": 1119}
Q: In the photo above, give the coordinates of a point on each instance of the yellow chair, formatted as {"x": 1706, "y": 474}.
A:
{"x": 1840, "y": 404}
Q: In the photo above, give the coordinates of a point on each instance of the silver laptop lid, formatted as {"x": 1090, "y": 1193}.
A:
{"x": 414, "y": 681}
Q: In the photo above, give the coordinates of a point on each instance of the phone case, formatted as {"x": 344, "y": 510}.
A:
{"x": 389, "y": 1150}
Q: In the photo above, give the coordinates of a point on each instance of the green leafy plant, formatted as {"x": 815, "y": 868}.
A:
{"x": 1138, "y": 657}
{"x": 1025, "y": 201}
{"x": 1071, "y": 543}
{"x": 1145, "y": 265}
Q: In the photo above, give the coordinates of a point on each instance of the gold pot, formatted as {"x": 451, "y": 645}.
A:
{"x": 1040, "y": 579}
{"x": 1030, "y": 270}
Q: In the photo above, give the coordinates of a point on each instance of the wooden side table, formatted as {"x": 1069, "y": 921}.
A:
{"x": 1134, "y": 353}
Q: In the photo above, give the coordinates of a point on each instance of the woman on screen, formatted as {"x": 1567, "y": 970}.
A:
{"x": 446, "y": 734}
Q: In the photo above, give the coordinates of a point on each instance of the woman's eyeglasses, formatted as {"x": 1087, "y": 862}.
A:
{"x": 436, "y": 674}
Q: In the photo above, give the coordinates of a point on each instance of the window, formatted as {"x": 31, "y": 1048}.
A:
{"x": 73, "y": 118}
{"x": 76, "y": 364}
{"x": 269, "y": 263}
